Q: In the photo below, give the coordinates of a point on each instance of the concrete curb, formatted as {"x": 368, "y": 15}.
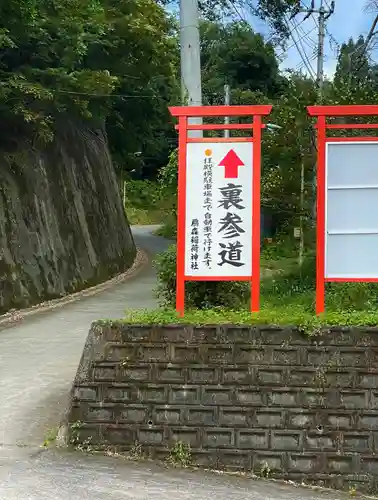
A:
{"x": 14, "y": 317}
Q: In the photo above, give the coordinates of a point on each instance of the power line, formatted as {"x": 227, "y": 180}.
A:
{"x": 94, "y": 94}
{"x": 274, "y": 35}
{"x": 304, "y": 50}
{"x": 301, "y": 65}
{"x": 331, "y": 37}
{"x": 293, "y": 45}
{"x": 368, "y": 39}
{"x": 323, "y": 15}
{"x": 333, "y": 40}
{"x": 303, "y": 57}
{"x": 306, "y": 39}
{"x": 127, "y": 96}
{"x": 237, "y": 11}
{"x": 267, "y": 40}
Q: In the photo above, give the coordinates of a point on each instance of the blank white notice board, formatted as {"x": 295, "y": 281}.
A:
{"x": 351, "y": 210}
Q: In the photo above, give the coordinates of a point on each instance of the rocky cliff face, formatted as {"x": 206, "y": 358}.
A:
{"x": 62, "y": 226}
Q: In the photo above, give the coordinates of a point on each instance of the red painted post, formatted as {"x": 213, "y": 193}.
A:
{"x": 320, "y": 217}
{"x": 232, "y": 168}
{"x": 322, "y": 113}
{"x": 181, "y": 210}
{"x": 256, "y": 214}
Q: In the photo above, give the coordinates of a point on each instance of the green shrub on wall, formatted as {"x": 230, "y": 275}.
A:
{"x": 199, "y": 294}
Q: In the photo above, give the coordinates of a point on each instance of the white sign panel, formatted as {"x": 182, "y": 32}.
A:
{"x": 218, "y": 219}
{"x": 351, "y": 222}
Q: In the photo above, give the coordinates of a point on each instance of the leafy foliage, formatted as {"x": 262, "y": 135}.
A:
{"x": 297, "y": 286}
{"x": 295, "y": 315}
{"x": 142, "y": 194}
{"x": 168, "y": 185}
{"x": 353, "y": 63}
{"x": 93, "y": 59}
{"x": 145, "y": 203}
{"x": 286, "y": 299}
{"x": 168, "y": 175}
{"x": 209, "y": 9}
{"x": 232, "y": 53}
{"x": 43, "y": 46}
{"x": 272, "y": 11}
{"x": 141, "y": 51}
{"x": 285, "y": 150}
{"x": 283, "y": 246}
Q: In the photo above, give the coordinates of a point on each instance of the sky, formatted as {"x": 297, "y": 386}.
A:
{"x": 350, "y": 19}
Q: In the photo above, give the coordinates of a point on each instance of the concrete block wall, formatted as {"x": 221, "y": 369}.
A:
{"x": 263, "y": 399}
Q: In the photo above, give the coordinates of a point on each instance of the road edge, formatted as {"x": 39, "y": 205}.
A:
{"x": 14, "y": 317}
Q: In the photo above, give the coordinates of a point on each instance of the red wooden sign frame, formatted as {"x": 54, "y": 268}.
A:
{"x": 322, "y": 113}
{"x": 183, "y": 113}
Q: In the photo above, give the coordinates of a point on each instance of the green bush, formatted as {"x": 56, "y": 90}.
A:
{"x": 352, "y": 296}
{"x": 298, "y": 286}
{"x": 297, "y": 280}
{"x": 306, "y": 320}
{"x": 292, "y": 288}
{"x": 168, "y": 186}
{"x": 168, "y": 175}
{"x": 199, "y": 294}
{"x": 279, "y": 248}
{"x": 142, "y": 194}
{"x": 169, "y": 227}
{"x": 146, "y": 203}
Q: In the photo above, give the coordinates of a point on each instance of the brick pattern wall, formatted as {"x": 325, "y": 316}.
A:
{"x": 267, "y": 400}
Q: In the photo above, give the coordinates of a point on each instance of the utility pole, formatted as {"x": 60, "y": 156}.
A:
{"x": 227, "y": 100}
{"x": 323, "y": 14}
{"x": 320, "y": 59}
{"x": 191, "y": 88}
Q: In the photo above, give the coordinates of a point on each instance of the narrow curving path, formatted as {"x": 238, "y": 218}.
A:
{"x": 39, "y": 357}
{"x": 38, "y": 362}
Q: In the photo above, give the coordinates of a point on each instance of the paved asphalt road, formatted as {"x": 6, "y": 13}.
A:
{"x": 38, "y": 362}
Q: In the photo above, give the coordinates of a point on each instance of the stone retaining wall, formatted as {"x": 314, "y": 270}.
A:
{"x": 63, "y": 228}
{"x": 261, "y": 399}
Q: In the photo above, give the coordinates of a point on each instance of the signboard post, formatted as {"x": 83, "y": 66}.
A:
{"x": 347, "y": 201}
{"x": 218, "y": 233}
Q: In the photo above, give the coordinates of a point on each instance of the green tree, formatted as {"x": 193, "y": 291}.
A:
{"x": 94, "y": 59}
{"x": 356, "y": 79}
{"x": 42, "y": 46}
{"x": 353, "y": 63}
{"x": 234, "y": 54}
{"x": 285, "y": 149}
{"x": 272, "y": 11}
{"x": 141, "y": 51}
{"x": 210, "y": 9}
